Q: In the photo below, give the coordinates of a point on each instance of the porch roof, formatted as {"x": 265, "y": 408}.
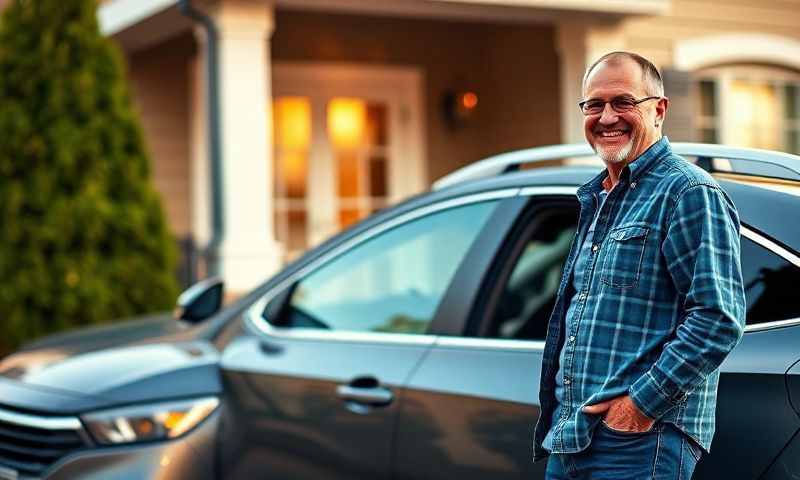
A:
{"x": 138, "y": 23}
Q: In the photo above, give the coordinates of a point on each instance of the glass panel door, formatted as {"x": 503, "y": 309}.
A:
{"x": 357, "y": 130}
{"x": 347, "y": 142}
{"x": 755, "y": 120}
{"x": 292, "y": 149}
{"x": 358, "y": 141}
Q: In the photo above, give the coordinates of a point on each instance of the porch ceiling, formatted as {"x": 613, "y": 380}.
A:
{"x": 139, "y": 23}
{"x": 501, "y": 10}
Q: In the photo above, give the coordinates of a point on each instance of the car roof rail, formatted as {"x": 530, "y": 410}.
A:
{"x": 764, "y": 163}
{"x": 767, "y": 162}
{"x": 511, "y": 161}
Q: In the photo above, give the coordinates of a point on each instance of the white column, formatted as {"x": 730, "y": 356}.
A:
{"x": 578, "y": 46}
{"x": 571, "y": 47}
{"x": 249, "y": 253}
{"x": 322, "y": 198}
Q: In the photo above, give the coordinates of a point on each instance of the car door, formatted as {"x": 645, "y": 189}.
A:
{"x": 754, "y": 417}
{"x": 469, "y": 410}
{"x": 315, "y": 391}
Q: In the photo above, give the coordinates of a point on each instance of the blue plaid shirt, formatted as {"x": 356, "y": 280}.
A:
{"x": 660, "y": 305}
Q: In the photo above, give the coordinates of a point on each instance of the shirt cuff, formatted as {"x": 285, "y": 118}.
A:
{"x": 655, "y": 398}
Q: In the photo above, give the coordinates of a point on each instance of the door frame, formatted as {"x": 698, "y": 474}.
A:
{"x": 400, "y": 88}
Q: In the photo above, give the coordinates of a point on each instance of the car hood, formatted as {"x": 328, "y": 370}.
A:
{"x": 150, "y": 327}
{"x": 90, "y": 370}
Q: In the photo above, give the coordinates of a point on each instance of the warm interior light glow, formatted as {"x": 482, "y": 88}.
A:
{"x": 346, "y": 122}
{"x": 293, "y": 142}
{"x": 755, "y": 115}
{"x": 294, "y": 169}
{"x": 349, "y": 175}
{"x": 469, "y": 100}
{"x": 292, "y": 123}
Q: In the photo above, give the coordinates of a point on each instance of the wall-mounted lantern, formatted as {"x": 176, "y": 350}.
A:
{"x": 459, "y": 106}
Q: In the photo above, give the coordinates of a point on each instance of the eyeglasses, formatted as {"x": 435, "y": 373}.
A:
{"x": 620, "y": 104}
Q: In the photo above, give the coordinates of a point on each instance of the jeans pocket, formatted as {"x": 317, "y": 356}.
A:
{"x": 624, "y": 255}
{"x": 693, "y": 448}
{"x": 624, "y": 433}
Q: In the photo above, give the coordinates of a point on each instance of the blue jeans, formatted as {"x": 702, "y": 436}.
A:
{"x": 663, "y": 453}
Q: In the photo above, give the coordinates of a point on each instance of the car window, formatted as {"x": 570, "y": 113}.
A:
{"x": 770, "y": 284}
{"x": 393, "y": 282}
{"x": 529, "y": 291}
{"x": 528, "y": 296}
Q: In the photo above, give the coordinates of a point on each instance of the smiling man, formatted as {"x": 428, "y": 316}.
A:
{"x": 651, "y": 300}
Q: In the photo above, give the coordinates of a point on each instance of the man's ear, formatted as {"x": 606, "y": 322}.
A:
{"x": 661, "y": 110}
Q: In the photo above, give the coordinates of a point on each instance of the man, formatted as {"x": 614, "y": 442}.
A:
{"x": 651, "y": 300}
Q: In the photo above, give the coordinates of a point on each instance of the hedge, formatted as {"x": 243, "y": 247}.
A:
{"x": 83, "y": 237}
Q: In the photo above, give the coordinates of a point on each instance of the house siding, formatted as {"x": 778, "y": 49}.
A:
{"x": 159, "y": 80}
{"x": 512, "y": 68}
{"x": 656, "y": 37}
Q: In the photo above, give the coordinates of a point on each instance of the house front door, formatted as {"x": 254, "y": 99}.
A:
{"x": 348, "y": 142}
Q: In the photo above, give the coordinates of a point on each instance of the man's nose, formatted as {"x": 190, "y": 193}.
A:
{"x": 609, "y": 115}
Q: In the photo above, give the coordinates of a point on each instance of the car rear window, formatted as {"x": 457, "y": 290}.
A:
{"x": 770, "y": 283}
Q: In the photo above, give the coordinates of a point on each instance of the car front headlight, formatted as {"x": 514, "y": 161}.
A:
{"x": 142, "y": 423}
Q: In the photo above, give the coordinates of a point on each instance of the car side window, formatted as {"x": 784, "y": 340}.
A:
{"x": 770, "y": 284}
{"x": 392, "y": 282}
{"x": 529, "y": 291}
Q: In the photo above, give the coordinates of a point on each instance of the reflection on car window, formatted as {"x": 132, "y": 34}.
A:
{"x": 770, "y": 284}
{"x": 391, "y": 283}
{"x": 529, "y": 293}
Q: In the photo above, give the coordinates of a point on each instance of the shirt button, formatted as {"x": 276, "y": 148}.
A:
{"x": 595, "y": 248}
{"x": 633, "y": 184}
{"x": 571, "y": 338}
{"x": 582, "y": 297}
{"x": 566, "y": 381}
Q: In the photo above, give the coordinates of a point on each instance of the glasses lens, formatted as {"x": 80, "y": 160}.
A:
{"x": 593, "y": 106}
{"x": 623, "y": 104}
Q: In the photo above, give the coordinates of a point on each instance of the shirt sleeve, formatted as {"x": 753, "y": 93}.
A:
{"x": 702, "y": 253}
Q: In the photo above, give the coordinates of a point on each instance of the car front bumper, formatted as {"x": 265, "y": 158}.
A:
{"x": 191, "y": 456}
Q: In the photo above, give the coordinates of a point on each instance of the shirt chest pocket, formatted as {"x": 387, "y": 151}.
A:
{"x": 623, "y": 260}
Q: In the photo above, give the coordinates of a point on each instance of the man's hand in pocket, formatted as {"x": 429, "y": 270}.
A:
{"x": 620, "y": 413}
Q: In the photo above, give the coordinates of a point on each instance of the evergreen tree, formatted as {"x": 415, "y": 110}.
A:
{"x": 83, "y": 239}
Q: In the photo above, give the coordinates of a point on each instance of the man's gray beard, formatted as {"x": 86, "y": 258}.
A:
{"x": 620, "y": 156}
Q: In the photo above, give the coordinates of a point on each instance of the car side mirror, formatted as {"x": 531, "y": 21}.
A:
{"x": 200, "y": 301}
{"x": 275, "y": 311}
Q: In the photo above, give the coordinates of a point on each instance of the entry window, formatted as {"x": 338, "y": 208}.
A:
{"x": 336, "y": 182}
{"x": 358, "y": 133}
{"x": 708, "y": 111}
{"x": 749, "y": 106}
{"x": 393, "y": 282}
{"x": 529, "y": 290}
{"x": 770, "y": 285}
{"x": 348, "y": 142}
{"x": 292, "y": 149}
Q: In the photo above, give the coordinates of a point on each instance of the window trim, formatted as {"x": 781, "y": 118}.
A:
{"x": 765, "y": 242}
{"x": 255, "y": 320}
{"x": 785, "y": 254}
{"x": 723, "y": 77}
{"x": 516, "y": 242}
{"x": 538, "y": 345}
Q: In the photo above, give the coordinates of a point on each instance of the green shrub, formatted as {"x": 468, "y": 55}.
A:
{"x": 83, "y": 239}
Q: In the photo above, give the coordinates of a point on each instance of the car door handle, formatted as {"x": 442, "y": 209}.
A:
{"x": 372, "y": 396}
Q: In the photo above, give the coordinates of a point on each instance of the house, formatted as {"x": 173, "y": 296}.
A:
{"x": 331, "y": 109}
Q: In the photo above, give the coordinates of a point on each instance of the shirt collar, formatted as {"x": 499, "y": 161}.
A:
{"x": 650, "y": 157}
{"x": 635, "y": 169}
